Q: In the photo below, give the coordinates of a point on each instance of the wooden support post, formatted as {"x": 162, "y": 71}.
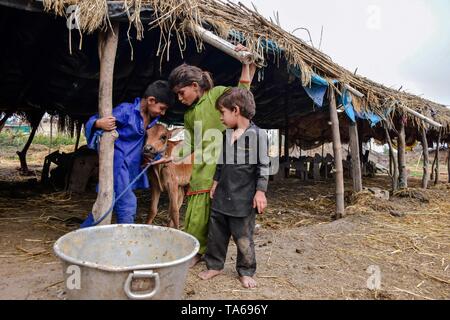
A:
{"x": 288, "y": 161}
{"x": 360, "y": 127}
{"x": 5, "y": 118}
{"x": 437, "y": 167}
{"x": 432, "y": 169}
{"x": 360, "y": 138}
{"x": 448, "y": 161}
{"x": 34, "y": 122}
{"x": 337, "y": 148}
{"x": 286, "y": 135}
{"x": 107, "y": 52}
{"x": 391, "y": 168}
{"x": 426, "y": 159}
{"x": 356, "y": 162}
{"x": 422, "y": 117}
{"x": 77, "y": 144}
{"x": 393, "y": 161}
{"x": 280, "y": 140}
{"x": 401, "y": 148}
{"x": 51, "y": 135}
{"x": 405, "y": 108}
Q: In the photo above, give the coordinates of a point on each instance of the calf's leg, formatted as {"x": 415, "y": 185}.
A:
{"x": 173, "y": 206}
{"x": 155, "y": 194}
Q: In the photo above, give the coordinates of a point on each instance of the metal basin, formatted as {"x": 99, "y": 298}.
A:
{"x": 139, "y": 262}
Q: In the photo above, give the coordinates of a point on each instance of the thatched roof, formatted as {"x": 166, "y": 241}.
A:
{"x": 174, "y": 15}
{"x": 282, "y": 50}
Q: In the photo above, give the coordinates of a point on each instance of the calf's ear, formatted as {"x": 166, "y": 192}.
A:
{"x": 174, "y": 132}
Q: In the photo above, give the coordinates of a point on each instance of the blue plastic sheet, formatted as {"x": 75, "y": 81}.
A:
{"x": 318, "y": 86}
{"x": 316, "y": 90}
{"x": 346, "y": 101}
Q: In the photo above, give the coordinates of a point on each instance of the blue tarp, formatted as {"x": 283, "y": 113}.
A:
{"x": 318, "y": 86}
{"x": 346, "y": 100}
{"x": 316, "y": 90}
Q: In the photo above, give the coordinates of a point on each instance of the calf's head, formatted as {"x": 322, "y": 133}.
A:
{"x": 158, "y": 140}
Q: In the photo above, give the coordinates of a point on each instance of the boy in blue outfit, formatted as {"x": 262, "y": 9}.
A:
{"x": 130, "y": 120}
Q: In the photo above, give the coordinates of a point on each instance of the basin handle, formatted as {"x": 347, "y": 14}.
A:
{"x": 141, "y": 274}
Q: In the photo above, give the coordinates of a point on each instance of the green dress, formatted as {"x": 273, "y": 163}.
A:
{"x": 202, "y": 115}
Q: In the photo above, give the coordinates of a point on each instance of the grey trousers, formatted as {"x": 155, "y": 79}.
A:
{"x": 221, "y": 228}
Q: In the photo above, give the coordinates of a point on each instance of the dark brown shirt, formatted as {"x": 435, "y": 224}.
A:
{"x": 242, "y": 170}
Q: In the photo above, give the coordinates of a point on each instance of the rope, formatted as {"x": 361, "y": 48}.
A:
{"x": 158, "y": 157}
{"x": 95, "y": 223}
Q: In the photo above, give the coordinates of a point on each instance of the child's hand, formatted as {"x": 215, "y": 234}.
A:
{"x": 240, "y": 47}
{"x": 248, "y": 70}
{"x": 106, "y": 123}
{"x": 162, "y": 161}
{"x": 260, "y": 201}
{"x": 213, "y": 190}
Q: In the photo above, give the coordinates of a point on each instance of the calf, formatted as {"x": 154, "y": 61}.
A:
{"x": 171, "y": 177}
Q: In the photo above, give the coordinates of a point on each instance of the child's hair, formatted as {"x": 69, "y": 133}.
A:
{"x": 160, "y": 90}
{"x": 185, "y": 75}
{"x": 238, "y": 97}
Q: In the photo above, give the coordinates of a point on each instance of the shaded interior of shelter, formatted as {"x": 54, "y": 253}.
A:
{"x": 37, "y": 70}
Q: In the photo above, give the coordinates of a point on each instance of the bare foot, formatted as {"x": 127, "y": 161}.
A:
{"x": 248, "y": 282}
{"x": 195, "y": 260}
{"x": 209, "y": 274}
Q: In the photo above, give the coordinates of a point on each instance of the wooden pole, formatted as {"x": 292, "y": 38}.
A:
{"x": 360, "y": 138}
{"x": 356, "y": 162}
{"x": 280, "y": 143}
{"x": 432, "y": 169}
{"x": 418, "y": 162}
{"x": 35, "y": 121}
{"x": 405, "y": 108}
{"x": 422, "y": 117}
{"x": 77, "y": 144}
{"x": 5, "y": 118}
{"x": 437, "y": 167}
{"x": 337, "y": 148}
{"x": 391, "y": 169}
{"x": 426, "y": 159}
{"x": 107, "y": 49}
{"x": 51, "y": 135}
{"x": 403, "y": 175}
{"x": 225, "y": 46}
{"x": 360, "y": 126}
{"x": 393, "y": 161}
{"x": 286, "y": 135}
{"x": 448, "y": 161}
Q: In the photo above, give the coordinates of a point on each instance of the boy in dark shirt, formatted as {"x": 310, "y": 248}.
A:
{"x": 239, "y": 188}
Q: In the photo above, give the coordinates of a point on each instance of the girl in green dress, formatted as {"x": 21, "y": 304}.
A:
{"x": 195, "y": 89}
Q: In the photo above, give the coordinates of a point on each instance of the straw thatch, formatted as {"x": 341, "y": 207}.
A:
{"x": 172, "y": 17}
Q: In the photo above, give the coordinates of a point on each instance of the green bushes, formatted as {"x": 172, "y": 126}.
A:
{"x": 18, "y": 139}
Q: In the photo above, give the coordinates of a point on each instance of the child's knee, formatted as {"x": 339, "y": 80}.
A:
{"x": 125, "y": 217}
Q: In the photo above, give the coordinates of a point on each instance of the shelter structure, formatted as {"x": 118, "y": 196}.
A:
{"x": 75, "y": 58}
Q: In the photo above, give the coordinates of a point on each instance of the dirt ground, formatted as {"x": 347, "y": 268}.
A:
{"x": 301, "y": 252}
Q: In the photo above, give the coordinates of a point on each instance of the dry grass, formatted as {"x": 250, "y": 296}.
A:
{"x": 412, "y": 250}
{"x": 365, "y": 202}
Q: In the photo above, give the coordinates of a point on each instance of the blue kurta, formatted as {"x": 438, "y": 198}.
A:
{"x": 128, "y": 157}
